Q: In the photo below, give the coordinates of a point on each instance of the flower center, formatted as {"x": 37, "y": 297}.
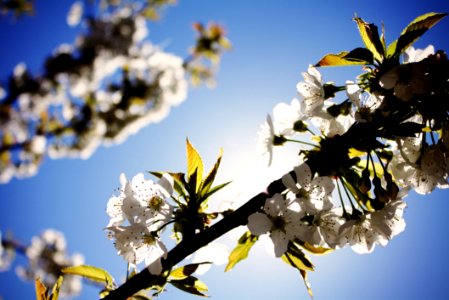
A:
{"x": 148, "y": 239}
{"x": 302, "y": 194}
{"x": 155, "y": 203}
{"x": 278, "y": 223}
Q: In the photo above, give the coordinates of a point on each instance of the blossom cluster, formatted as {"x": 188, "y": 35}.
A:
{"x": 47, "y": 256}
{"x": 415, "y": 157}
{"x": 108, "y": 85}
{"x": 138, "y": 216}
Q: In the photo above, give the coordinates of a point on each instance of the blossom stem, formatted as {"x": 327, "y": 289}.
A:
{"x": 239, "y": 217}
{"x": 302, "y": 142}
{"x": 381, "y": 162}
{"x": 346, "y": 189}
{"x": 345, "y": 213}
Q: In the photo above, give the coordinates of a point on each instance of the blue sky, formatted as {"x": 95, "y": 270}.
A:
{"x": 274, "y": 41}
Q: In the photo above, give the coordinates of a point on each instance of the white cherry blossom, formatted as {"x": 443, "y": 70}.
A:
{"x": 312, "y": 91}
{"x": 313, "y": 194}
{"x": 137, "y": 244}
{"x": 376, "y": 227}
{"x": 286, "y": 115}
{"x": 280, "y": 219}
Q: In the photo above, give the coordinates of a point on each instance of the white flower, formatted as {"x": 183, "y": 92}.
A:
{"x": 374, "y": 227}
{"x": 213, "y": 253}
{"x": 423, "y": 170}
{"x": 148, "y": 203}
{"x": 115, "y": 204}
{"x": 47, "y": 256}
{"x": 279, "y": 220}
{"x": 75, "y": 14}
{"x": 312, "y": 91}
{"x": 415, "y": 55}
{"x": 359, "y": 235}
{"x": 331, "y": 126}
{"x": 38, "y": 144}
{"x": 285, "y": 116}
{"x": 265, "y": 140}
{"x": 314, "y": 195}
{"x": 326, "y": 228}
{"x": 7, "y": 255}
{"x": 142, "y": 201}
{"x": 137, "y": 244}
{"x": 389, "y": 221}
{"x": 407, "y": 80}
{"x": 354, "y": 93}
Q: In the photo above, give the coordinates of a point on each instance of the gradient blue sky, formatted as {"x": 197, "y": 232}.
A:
{"x": 274, "y": 41}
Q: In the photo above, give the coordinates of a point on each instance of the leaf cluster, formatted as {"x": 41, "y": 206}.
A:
{"x": 194, "y": 190}
{"x": 376, "y": 52}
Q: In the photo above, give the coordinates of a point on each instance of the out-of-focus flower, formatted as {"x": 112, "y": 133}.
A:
{"x": 213, "y": 253}
{"x": 287, "y": 118}
{"x": 107, "y": 86}
{"x": 47, "y": 256}
{"x": 267, "y": 139}
{"x": 75, "y": 13}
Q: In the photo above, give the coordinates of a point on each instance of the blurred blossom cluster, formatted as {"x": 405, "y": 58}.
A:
{"x": 16, "y": 7}
{"x": 47, "y": 256}
{"x": 106, "y": 86}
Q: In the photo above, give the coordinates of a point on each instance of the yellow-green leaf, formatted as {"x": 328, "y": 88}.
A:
{"x": 355, "y": 153}
{"x": 191, "y": 285}
{"x": 209, "y": 180}
{"x": 56, "y": 288}
{"x": 413, "y": 32}
{"x": 41, "y": 290}
{"x": 140, "y": 297}
{"x": 225, "y": 43}
{"x": 195, "y": 165}
{"x": 371, "y": 39}
{"x": 184, "y": 271}
{"x": 240, "y": 252}
{"x": 306, "y": 282}
{"x": 296, "y": 258}
{"x": 358, "y": 56}
{"x": 316, "y": 250}
{"x": 92, "y": 273}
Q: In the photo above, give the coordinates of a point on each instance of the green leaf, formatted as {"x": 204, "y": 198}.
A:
{"x": 413, "y": 32}
{"x": 240, "y": 252}
{"x": 92, "y": 273}
{"x": 371, "y": 39}
{"x": 184, "y": 272}
{"x": 209, "y": 180}
{"x": 306, "y": 282}
{"x": 140, "y": 297}
{"x": 297, "y": 259}
{"x": 358, "y": 56}
{"x": 315, "y": 250}
{"x": 56, "y": 288}
{"x": 191, "y": 285}
{"x": 178, "y": 178}
{"x": 41, "y": 290}
{"x": 214, "y": 190}
{"x": 195, "y": 167}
